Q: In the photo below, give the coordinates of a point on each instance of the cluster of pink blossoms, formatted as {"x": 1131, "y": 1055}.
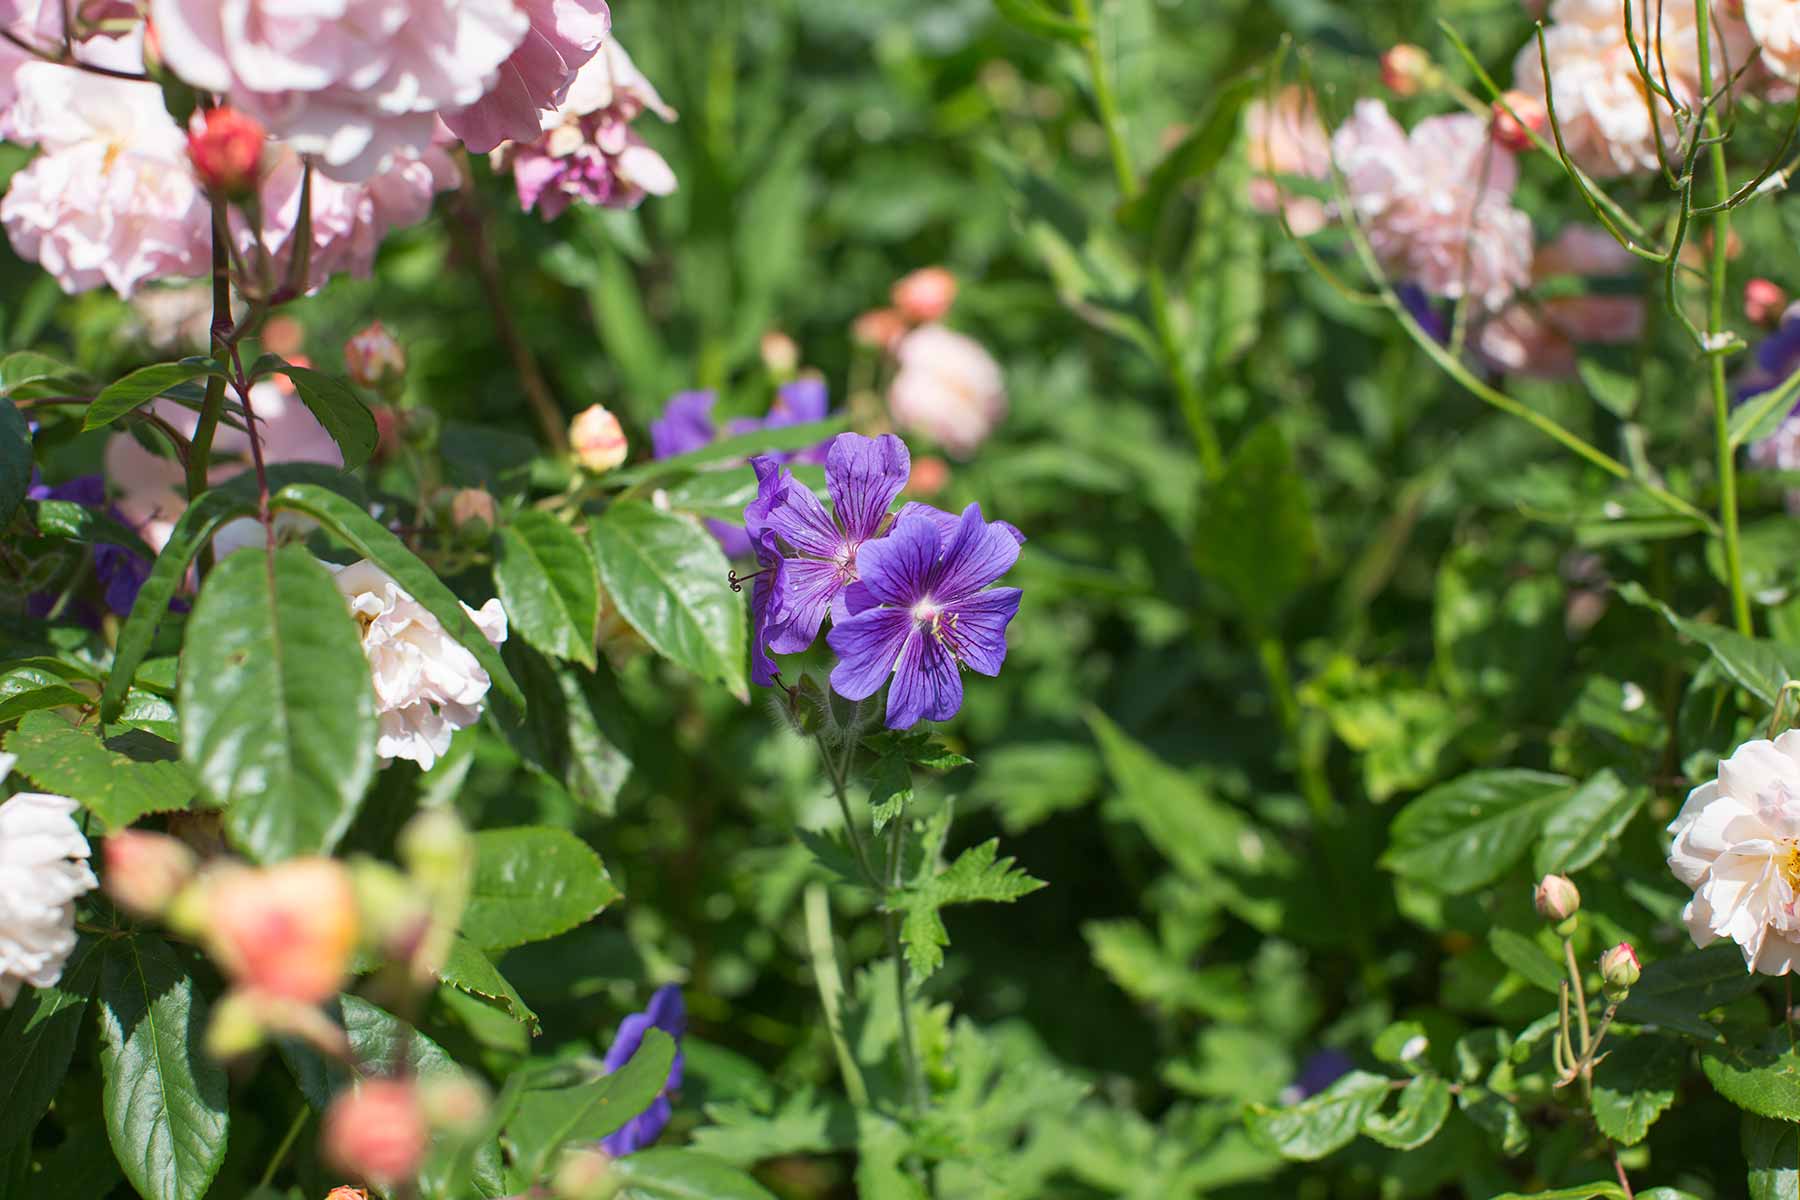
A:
{"x": 361, "y": 101}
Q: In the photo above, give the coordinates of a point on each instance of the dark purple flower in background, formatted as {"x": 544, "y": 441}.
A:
{"x": 667, "y": 1013}
{"x": 686, "y": 424}
{"x": 798, "y": 403}
{"x": 120, "y": 571}
{"x": 1777, "y": 356}
{"x": 921, "y": 611}
{"x": 1317, "y": 1073}
{"x": 1430, "y": 319}
{"x": 863, "y": 477}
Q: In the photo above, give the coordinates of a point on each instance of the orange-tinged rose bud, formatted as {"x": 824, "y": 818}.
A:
{"x": 1764, "y": 301}
{"x": 879, "y": 328}
{"x": 285, "y": 336}
{"x": 598, "y": 441}
{"x": 779, "y": 354}
{"x": 347, "y": 1193}
{"x": 374, "y": 359}
{"x": 287, "y": 930}
{"x": 586, "y": 1174}
{"x": 925, "y": 295}
{"x": 930, "y": 475}
{"x": 145, "y": 871}
{"x": 1517, "y": 119}
{"x": 377, "y": 1131}
{"x": 226, "y": 149}
{"x": 471, "y": 507}
{"x": 1405, "y": 69}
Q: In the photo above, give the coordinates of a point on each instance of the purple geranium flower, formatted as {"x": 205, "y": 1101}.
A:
{"x": 921, "y": 611}
{"x": 667, "y": 1013}
{"x": 863, "y": 476}
{"x": 763, "y": 669}
{"x": 685, "y": 425}
{"x": 800, "y": 402}
{"x": 121, "y": 572}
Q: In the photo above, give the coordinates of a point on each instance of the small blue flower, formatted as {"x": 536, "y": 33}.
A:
{"x": 667, "y": 1013}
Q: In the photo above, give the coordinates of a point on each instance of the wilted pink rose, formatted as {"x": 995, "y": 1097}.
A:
{"x": 110, "y": 200}
{"x": 355, "y": 82}
{"x": 1287, "y": 138}
{"x": 373, "y": 358}
{"x": 588, "y": 151}
{"x": 1437, "y": 203}
{"x": 948, "y": 387}
{"x": 564, "y": 36}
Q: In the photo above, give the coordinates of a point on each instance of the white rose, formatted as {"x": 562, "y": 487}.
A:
{"x": 43, "y": 869}
{"x": 948, "y": 388}
{"x": 427, "y": 685}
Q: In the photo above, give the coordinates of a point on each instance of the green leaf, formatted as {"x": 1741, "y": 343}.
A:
{"x": 123, "y": 395}
{"x": 32, "y": 689}
{"x": 37, "y": 1042}
{"x": 1675, "y": 992}
{"x": 761, "y": 441}
{"x": 1468, "y": 832}
{"x": 15, "y": 460}
{"x": 165, "y": 1099}
{"x": 193, "y": 529}
{"x": 1321, "y": 1124}
{"x": 977, "y": 875}
{"x": 469, "y": 970}
{"x": 369, "y": 538}
{"x": 669, "y": 580}
{"x": 666, "y": 1173}
{"x": 1579, "y": 831}
{"x": 1417, "y": 1115}
{"x": 1634, "y": 1084}
{"x": 1764, "y": 1080}
{"x": 549, "y": 1118}
{"x": 1586, "y": 1191}
{"x": 1527, "y": 958}
{"x": 278, "y": 714}
{"x": 1505, "y": 1128}
{"x": 1772, "y": 1154}
{"x": 1758, "y": 666}
{"x": 1036, "y": 16}
{"x": 343, "y": 414}
{"x": 532, "y": 883}
{"x": 548, "y": 584}
{"x": 890, "y": 790}
{"x": 29, "y": 374}
{"x": 79, "y": 523}
{"x": 1254, "y": 535}
{"x": 119, "y": 779}
{"x": 1194, "y": 157}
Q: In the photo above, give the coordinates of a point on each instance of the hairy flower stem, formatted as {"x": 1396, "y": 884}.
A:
{"x": 1715, "y": 328}
{"x": 830, "y": 981}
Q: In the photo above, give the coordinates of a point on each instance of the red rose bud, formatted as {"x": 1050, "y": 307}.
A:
{"x": 473, "y": 510}
{"x": 925, "y": 295}
{"x": 1556, "y": 898}
{"x": 377, "y": 1131}
{"x": 146, "y": 871}
{"x": 1406, "y": 69}
{"x": 1764, "y": 301}
{"x": 374, "y": 359}
{"x": 1516, "y": 117}
{"x": 879, "y": 328}
{"x": 1619, "y": 970}
{"x": 226, "y": 149}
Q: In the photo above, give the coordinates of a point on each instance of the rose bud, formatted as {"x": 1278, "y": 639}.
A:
{"x": 1764, "y": 301}
{"x": 598, "y": 441}
{"x": 390, "y": 431}
{"x": 879, "y": 328}
{"x": 374, "y": 359}
{"x": 287, "y": 930}
{"x": 146, "y": 871}
{"x": 346, "y": 1193}
{"x": 456, "y": 1103}
{"x": 1406, "y": 69}
{"x": 1619, "y": 970}
{"x": 226, "y": 149}
{"x": 376, "y": 1131}
{"x": 1557, "y": 899}
{"x": 1516, "y": 117}
{"x": 925, "y": 295}
{"x": 779, "y": 354}
{"x": 930, "y": 475}
{"x": 586, "y": 1174}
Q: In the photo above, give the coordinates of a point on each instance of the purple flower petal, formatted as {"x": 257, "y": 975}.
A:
{"x": 763, "y": 627}
{"x": 863, "y": 476}
{"x": 868, "y": 645}
{"x": 641, "y": 1130}
{"x": 979, "y": 554}
{"x": 667, "y": 1013}
{"x": 804, "y": 590}
{"x": 926, "y": 683}
{"x": 798, "y": 403}
{"x": 947, "y": 522}
{"x": 685, "y": 425}
{"x": 899, "y": 568}
{"x": 792, "y": 511}
{"x": 976, "y": 628}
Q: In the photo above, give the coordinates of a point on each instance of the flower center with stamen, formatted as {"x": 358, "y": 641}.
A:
{"x": 1789, "y": 865}
{"x": 925, "y": 612}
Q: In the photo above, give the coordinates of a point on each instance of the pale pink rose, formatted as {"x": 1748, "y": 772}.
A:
{"x": 43, "y": 870}
{"x": 1775, "y": 24}
{"x": 1538, "y": 340}
{"x": 349, "y": 220}
{"x": 1287, "y": 138}
{"x": 564, "y": 35}
{"x": 1600, "y": 97}
{"x": 111, "y": 199}
{"x": 948, "y": 387}
{"x": 355, "y": 82}
{"x": 1436, "y": 204}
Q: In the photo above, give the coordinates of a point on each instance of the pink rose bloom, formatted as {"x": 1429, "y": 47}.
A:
{"x": 1436, "y": 203}
{"x": 1775, "y": 24}
{"x": 1287, "y": 138}
{"x": 564, "y": 36}
{"x": 355, "y": 82}
{"x": 588, "y": 150}
{"x": 948, "y": 387}
{"x": 1599, "y": 95}
{"x": 110, "y": 200}
{"x": 1539, "y": 341}
{"x": 349, "y": 220}
{"x": 1585, "y": 250}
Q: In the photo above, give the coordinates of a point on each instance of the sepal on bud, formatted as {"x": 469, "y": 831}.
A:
{"x": 1619, "y": 970}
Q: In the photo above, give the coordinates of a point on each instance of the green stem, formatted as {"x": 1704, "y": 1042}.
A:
{"x": 287, "y": 1144}
{"x": 1105, "y": 101}
{"x": 1287, "y": 706}
{"x": 830, "y": 980}
{"x": 909, "y": 1049}
{"x": 213, "y": 407}
{"x": 1715, "y": 327}
{"x": 1587, "y": 1077}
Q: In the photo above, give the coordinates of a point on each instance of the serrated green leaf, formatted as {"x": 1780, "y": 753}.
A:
{"x": 165, "y": 1099}
{"x": 373, "y": 541}
{"x": 33, "y": 689}
{"x": 1764, "y": 1080}
{"x": 1634, "y": 1084}
{"x": 1468, "y": 832}
{"x": 144, "y": 384}
{"x": 670, "y": 581}
{"x": 1321, "y": 1124}
{"x": 468, "y": 969}
{"x": 278, "y": 717}
{"x": 1675, "y": 992}
{"x": 343, "y": 414}
{"x": 37, "y": 1041}
{"x": 549, "y": 586}
{"x": 890, "y": 790}
{"x": 548, "y": 1118}
{"x": 532, "y": 883}
{"x": 1758, "y": 666}
{"x": 1418, "y": 1115}
{"x": 1772, "y": 1154}
{"x": 1579, "y": 831}
{"x": 1254, "y": 535}
{"x": 15, "y": 460}
{"x": 977, "y": 875}
{"x": 119, "y": 780}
